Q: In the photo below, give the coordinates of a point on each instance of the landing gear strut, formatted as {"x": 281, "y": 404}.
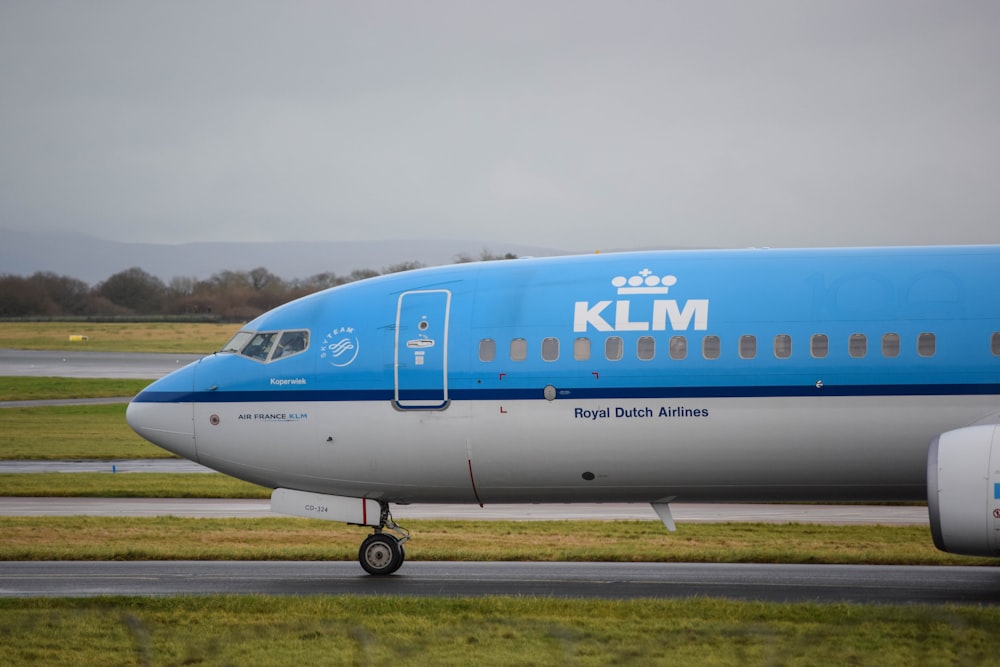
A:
{"x": 382, "y": 553}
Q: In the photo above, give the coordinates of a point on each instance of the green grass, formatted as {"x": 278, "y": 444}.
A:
{"x": 177, "y": 337}
{"x": 288, "y": 538}
{"x": 128, "y": 485}
{"x": 71, "y": 432}
{"x": 349, "y": 630}
{"x": 46, "y": 388}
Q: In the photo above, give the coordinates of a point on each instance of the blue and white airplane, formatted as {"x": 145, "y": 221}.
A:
{"x": 745, "y": 375}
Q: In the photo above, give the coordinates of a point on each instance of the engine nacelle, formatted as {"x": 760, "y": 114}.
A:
{"x": 963, "y": 490}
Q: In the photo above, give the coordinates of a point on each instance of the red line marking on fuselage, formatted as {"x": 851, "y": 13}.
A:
{"x": 473, "y": 480}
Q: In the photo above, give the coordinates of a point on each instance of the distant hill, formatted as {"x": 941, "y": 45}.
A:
{"x": 92, "y": 260}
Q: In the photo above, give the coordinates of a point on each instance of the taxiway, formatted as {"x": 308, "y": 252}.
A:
{"x": 768, "y": 583}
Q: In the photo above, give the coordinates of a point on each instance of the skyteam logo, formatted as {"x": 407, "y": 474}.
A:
{"x": 340, "y": 347}
{"x": 656, "y": 314}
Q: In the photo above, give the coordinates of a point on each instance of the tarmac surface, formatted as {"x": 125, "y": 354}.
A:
{"x": 683, "y": 512}
{"x": 21, "y": 467}
{"x": 83, "y": 364}
{"x": 768, "y": 583}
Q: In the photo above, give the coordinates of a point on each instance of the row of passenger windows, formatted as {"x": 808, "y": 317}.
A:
{"x": 711, "y": 347}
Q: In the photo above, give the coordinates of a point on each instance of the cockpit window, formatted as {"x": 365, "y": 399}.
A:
{"x": 237, "y": 342}
{"x": 260, "y": 346}
{"x": 268, "y": 345}
{"x": 291, "y": 342}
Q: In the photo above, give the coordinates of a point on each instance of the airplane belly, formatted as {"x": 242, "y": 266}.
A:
{"x": 825, "y": 448}
{"x": 828, "y": 448}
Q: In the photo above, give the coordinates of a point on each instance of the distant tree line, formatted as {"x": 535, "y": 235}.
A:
{"x": 229, "y": 296}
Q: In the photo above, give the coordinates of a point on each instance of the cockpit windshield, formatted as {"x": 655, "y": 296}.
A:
{"x": 290, "y": 342}
{"x": 259, "y": 346}
{"x": 267, "y": 346}
{"x": 237, "y": 342}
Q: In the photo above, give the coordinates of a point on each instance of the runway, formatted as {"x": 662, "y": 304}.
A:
{"x": 22, "y": 467}
{"x": 683, "y": 512}
{"x": 768, "y": 583}
{"x": 83, "y": 364}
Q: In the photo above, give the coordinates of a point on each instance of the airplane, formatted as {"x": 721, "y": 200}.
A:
{"x": 845, "y": 374}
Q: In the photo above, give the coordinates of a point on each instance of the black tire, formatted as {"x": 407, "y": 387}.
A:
{"x": 380, "y": 554}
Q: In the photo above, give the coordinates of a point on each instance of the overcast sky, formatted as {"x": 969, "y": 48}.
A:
{"x": 574, "y": 125}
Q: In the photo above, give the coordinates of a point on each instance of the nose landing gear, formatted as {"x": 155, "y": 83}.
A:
{"x": 382, "y": 553}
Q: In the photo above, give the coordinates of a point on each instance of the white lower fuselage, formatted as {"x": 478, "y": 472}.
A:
{"x": 822, "y": 448}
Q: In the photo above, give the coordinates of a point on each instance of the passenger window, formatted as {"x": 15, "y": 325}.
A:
{"x": 890, "y": 345}
{"x": 857, "y": 345}
{"x": 291, "y": 343}
{"x": 926, "y": 345}
{"x": 678, "y": 347}
{"x": 613, "y": 348}
{"x": 819, "y": 346}
{"x": 260, "y": 346}
{"x": 748, "y": 347}
{"x": 995, "y": 344}
{"x": 550, "y": 349}
{"x": 782, "y": 346}
{"x": 581, "y": 349}
{"x": 711, "y": 347}
{"x": 645, "y": 348}
{"x": 487, "y": 350}
{"x": 518, "y": 349}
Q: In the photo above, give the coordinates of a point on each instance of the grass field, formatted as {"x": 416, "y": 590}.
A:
{"x": 347, "y": 630}
{"x": 46, "y": 388}
{"x": 71, "y": 432}
{"x": 128, "y": 485}
{"x": 288, "y": 538}
{"x": 179, "y": 337}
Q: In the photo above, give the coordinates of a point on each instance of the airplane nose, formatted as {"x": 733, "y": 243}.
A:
{"x": 164, "y": 414}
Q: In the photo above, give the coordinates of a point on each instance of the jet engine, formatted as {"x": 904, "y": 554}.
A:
{"x": 963, "y": 490}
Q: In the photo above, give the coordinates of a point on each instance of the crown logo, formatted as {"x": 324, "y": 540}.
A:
{"x": 644, "y": 282}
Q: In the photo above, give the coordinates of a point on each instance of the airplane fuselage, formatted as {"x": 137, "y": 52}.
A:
{"x": 651, "y": 376}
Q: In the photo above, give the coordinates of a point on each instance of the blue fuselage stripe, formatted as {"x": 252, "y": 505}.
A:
{"x": 339, "y": 396}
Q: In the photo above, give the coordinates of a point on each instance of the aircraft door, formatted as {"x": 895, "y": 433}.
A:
{"x": 421, "y": 363}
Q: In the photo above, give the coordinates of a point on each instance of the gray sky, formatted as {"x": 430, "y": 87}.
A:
{"x": 574, "y": 125}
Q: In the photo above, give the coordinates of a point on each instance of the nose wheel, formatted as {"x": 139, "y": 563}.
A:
{"x": 382, "y": 553}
